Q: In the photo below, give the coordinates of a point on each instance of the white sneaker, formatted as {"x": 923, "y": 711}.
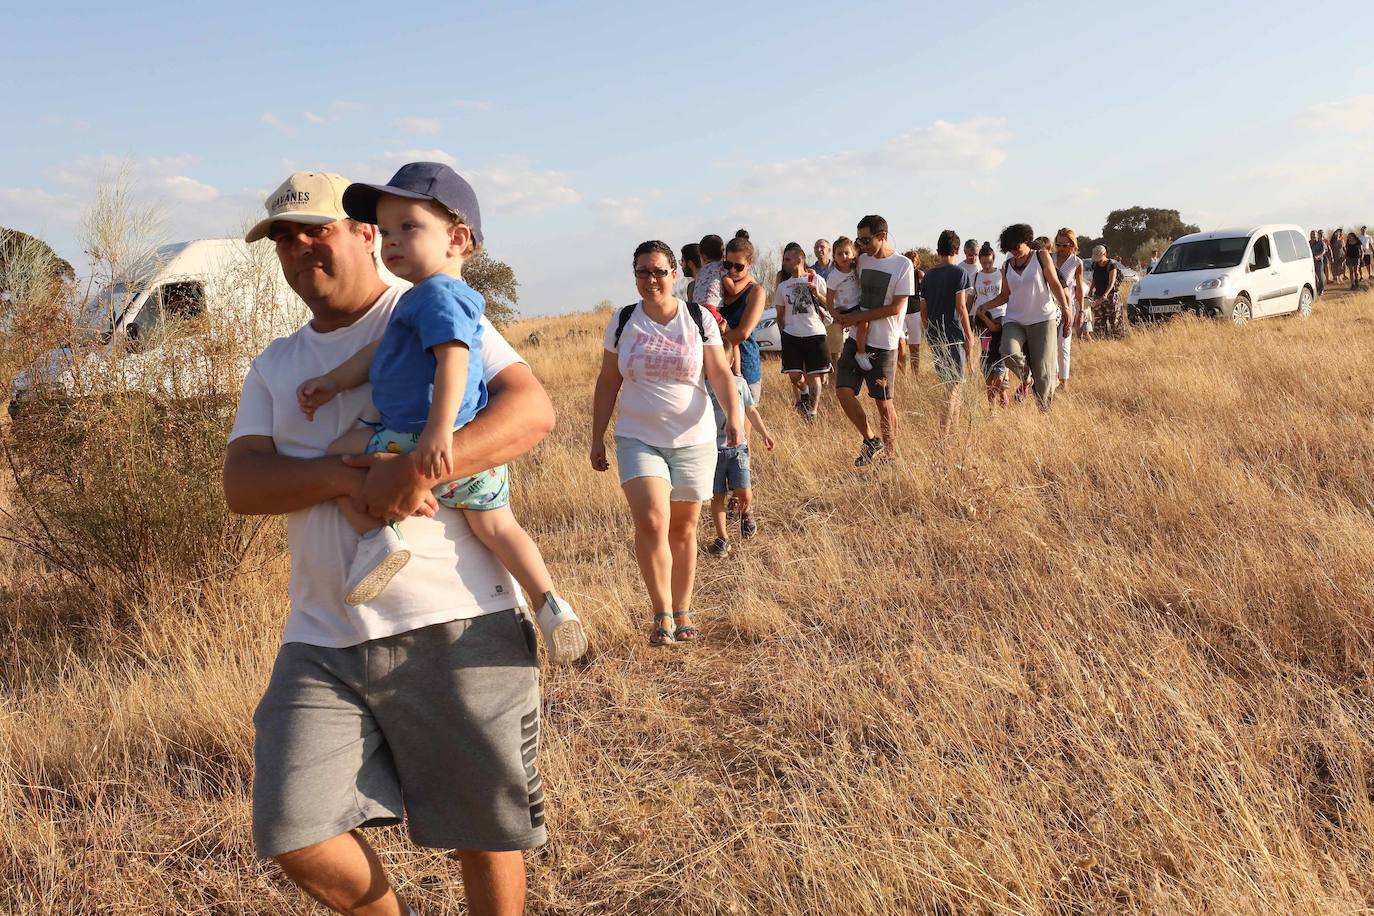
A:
{"x": 564, "y": 635}
{"x": 865, "y": 363}
{"x": 381, "y": 555}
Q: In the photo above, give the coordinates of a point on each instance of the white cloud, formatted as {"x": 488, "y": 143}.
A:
{"x": 391, "y": 160}
{"x": 624, "y": 211}
{"x": 57, "y": 120}
{"x": 471, "y": 105}
{"x": 272, "y": 120}
{"x": 964, "y": 147}
{"x": 312, "y": 118}
{"x": 1351, "y": 116}
{"x": 512, "y": 185}
{"x": 418, "y": 126}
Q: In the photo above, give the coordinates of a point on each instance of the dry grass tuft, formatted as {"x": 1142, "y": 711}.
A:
{"x": 1114, "y": 660}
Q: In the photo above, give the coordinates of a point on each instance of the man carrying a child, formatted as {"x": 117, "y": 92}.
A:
{"x": 424, "y": 703}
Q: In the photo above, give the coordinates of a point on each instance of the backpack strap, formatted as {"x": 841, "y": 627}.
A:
{"x": 625, "y": 315}
{"x": 695, "y": 311}
{"x": 628, "y": 312}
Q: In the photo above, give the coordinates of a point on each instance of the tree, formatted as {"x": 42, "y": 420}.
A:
{"x": 1127, "y": 230}
{"x": 26, "y": 261}
{"x": 1086, "y": 243}
{"x": 496, "y": 282}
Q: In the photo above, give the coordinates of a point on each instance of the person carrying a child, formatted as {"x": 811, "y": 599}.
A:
{"x": 426, "y": 382}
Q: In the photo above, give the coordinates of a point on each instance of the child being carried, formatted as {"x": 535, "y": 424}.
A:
{"x": 426, "y": 375}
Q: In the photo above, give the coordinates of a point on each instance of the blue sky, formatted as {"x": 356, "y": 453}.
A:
{"x": 586, "y": 128}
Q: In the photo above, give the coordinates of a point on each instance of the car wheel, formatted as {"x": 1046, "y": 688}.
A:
{"x": 1304, "y": 303}
{"x": 1240, "y": 312}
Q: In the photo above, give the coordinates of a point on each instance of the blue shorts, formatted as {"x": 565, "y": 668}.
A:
{"x": 687, "y": 469}
{"x": 732, "y": 469}
{"x": 478, "y": 493}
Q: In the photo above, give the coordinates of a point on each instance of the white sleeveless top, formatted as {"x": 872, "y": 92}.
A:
{"x": 1031, "y": 301}
{"x": 1066, "y": 273}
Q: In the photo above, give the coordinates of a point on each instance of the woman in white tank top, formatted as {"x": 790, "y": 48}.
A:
{"x": 1036, "y": 307}
{"x": 1070, "y": 268}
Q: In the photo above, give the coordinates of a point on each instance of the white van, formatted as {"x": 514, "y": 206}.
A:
{"x": 1238, "y": 274}
{"x": 143, "y": 326}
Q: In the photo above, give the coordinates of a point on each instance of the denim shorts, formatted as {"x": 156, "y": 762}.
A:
{"x": 732, "y": 469}
{"x": 481, "y": 492}
{"x": 689, "y": 469}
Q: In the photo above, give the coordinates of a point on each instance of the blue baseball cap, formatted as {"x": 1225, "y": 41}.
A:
{"x": 418, "y": 181}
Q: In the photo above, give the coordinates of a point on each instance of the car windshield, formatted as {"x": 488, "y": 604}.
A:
{"x": 1202, "y": 255}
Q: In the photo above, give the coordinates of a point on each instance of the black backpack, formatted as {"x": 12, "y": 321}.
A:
{"x": 628, "y": 311}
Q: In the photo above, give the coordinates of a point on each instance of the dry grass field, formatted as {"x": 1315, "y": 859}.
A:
{"x": 1116, "y": 659}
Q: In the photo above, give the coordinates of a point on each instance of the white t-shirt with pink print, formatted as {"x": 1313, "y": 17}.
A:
{"x": 663, "y": 400}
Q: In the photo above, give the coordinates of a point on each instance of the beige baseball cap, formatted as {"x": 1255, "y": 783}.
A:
{"x": 305, "y": 197}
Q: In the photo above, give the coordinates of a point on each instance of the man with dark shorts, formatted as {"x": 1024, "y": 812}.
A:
{"x": 886, "y": 281}
{"x": 945, "y": 294}
{"x": 424, "y": 704}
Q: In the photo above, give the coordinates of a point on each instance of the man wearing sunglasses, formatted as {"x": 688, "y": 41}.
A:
{"x": 886, "y": 282}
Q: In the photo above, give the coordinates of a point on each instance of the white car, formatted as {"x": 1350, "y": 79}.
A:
{"x": 205, "y": 286}
{"x": 767, "y": 335}
{"x": 1240, "y": 274}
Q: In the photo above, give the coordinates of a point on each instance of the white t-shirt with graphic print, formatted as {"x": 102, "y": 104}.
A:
{"x": 450, "y": 576}
{"x": 795, "y": 296}
{"x": 880, "y": 281}
{"x": 663, "y": 400}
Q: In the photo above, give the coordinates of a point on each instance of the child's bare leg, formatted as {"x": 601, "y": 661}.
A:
{"x": 353, "y": 442}
{"x": 861, "y": 336}
{"x": 746, "y": 500}
{"x": 718, "y": 515}
{"x": 500, "y": 533}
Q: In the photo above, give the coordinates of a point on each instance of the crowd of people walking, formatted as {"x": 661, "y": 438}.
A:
{"x": 687, "y": 372}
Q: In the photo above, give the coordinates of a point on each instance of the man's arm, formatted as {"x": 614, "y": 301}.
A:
{"x": 846, "y": 319}
{"x": 258, "y": 481}
{"x": 517, "y": 417}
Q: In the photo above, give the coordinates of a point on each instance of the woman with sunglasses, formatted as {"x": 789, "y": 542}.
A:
{"x": 741, "y": 305}
{"x": 659, "y": 353}
{"x": 1070, "y": 268}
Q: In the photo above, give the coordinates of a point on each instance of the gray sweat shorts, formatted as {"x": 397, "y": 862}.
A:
{"x": 439, "y": 725}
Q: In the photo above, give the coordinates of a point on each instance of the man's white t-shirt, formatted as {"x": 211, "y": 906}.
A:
{"x": 663, "y": 399}
{"x": 880, "y": 281}
{"x": 800, "y": 316}
{"x": 450, "y": 576}
{"x": 708, "y": 284}
{"x": 970, "y": 270}
{"x": 1367, "y": 243}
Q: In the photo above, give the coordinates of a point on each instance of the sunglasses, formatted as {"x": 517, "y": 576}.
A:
{"x": 733, "y": 266}
{"x": 864, "y": 241}
{"x": 657, "y": 273}
{"x": 1062, "y": 245}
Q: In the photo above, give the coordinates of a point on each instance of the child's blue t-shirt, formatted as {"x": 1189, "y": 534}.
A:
{"x": 746, "y": 400}
{"x": 435, "y": 311}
